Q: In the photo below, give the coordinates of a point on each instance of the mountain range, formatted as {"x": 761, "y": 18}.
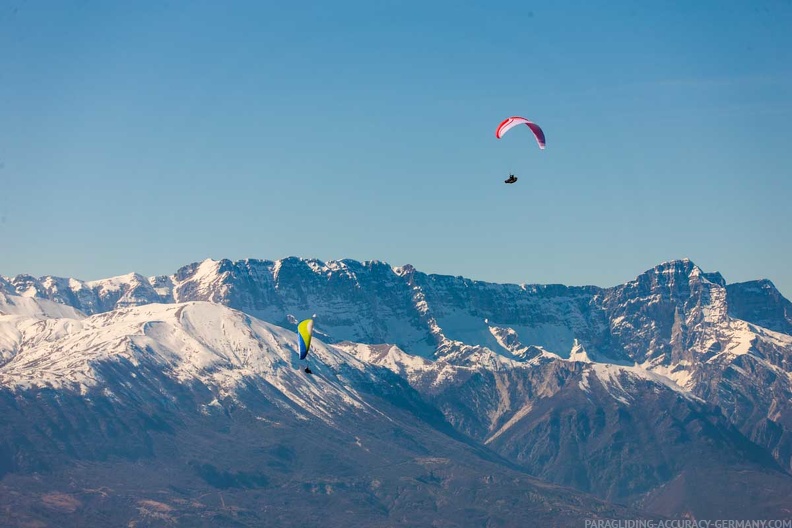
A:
{"x": 435, "y": 400}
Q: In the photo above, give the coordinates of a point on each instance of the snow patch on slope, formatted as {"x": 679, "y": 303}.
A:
{"x": 197, "y": 342}
{"x": 578, "y": 353}
{"x": 519, "y": 415}
{"x": 617, "y": 380}
{"x": 391, "y": 357}
{"x": 28, "y": 307}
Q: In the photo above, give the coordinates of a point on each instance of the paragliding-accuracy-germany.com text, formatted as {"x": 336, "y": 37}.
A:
{"x": 688, "y": 523}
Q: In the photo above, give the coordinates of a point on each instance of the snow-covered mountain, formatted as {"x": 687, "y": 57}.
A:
{"x": 668, "y": 393}
{"x": 195, "y": 414}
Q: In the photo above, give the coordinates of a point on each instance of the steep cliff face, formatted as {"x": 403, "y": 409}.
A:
{"x": 760, "y": 303}
{"x": 369, "y": 302}
{"x": 667, "y": 314}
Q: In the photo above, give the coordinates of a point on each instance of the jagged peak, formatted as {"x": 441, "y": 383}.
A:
{"x": 23, "y": 277}
{"x": 371, "y": 265}
{"x": 188, "y": 270}
{"x": 198, "y": 269}
{"x": 683, "y": 267}
{"x": 757, "y": 285}
{"x": 407, "y": 269}
{"x": 297, "y": 260}
{"x": 253, "y": 262}
{"x": 160, "y": 280}
{"x": 118, "y": 280}
{"x": 684, "y": 264}
{"x": 313, "y": 265}
{"x": 26, "y": 285}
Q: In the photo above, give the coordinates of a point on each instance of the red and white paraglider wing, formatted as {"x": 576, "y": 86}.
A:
{"x": 512, "y": 122}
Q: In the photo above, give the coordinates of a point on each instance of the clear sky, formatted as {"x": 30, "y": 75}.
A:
{"x": 142, "y": 136}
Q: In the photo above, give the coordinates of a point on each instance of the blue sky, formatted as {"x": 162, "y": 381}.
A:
{"x": 141, "y": 136}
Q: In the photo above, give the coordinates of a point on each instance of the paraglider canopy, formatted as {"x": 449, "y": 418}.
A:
{"x": 304, "y": 332}
{"x": 513, "y": 121}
